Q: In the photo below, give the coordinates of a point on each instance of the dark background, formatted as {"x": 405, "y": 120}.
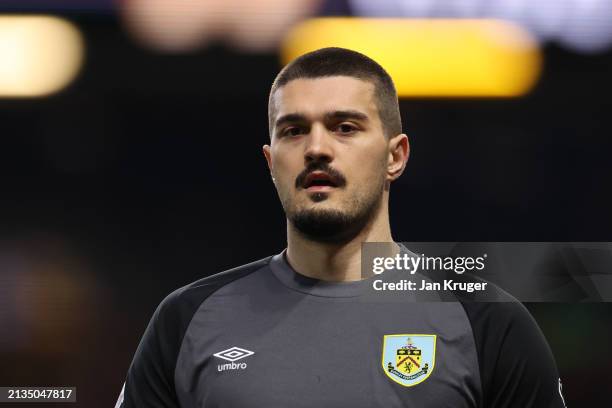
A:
{"x": 146, "y": 174}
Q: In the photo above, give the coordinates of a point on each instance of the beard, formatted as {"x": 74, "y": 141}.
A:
{"x": 330, "y": 225}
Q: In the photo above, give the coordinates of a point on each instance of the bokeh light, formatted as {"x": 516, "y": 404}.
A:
{"x": 436, "y": 57}
{"x": 39, "y": 55}
{"x": 178, "y": 26}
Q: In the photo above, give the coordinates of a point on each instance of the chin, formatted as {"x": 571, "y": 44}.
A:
{"x": 321, "y": 207}
{"x": 323, "y": 197}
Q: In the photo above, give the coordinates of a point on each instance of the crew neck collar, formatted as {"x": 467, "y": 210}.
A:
{"x": 291, "y": 278}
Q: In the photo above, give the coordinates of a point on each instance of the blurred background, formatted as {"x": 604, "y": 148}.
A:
{"x": 130, "y": 156}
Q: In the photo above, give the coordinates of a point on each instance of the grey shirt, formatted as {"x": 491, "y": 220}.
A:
{"x": 262, "y": 335}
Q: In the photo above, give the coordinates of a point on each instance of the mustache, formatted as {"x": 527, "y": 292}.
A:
{"x": 337, "y": 177}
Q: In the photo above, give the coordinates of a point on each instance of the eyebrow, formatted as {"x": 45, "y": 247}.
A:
{"x": 334, "y": 115}
{"x": 289, "y": 118}
{"x": 346, "y": 114}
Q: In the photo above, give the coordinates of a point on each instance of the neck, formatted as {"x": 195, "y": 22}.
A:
{"x": 335, "y": 261}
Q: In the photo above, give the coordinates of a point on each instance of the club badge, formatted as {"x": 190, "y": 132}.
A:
{"x": 409, "y": 359}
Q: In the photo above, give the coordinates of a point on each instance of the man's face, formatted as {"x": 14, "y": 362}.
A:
{"x": 328, "y": 155}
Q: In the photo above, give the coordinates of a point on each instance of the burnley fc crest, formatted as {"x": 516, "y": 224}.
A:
{"x": 409, "y": 359}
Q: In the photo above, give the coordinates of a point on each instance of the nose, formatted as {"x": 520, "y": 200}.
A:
{"x": 318, "y": 145}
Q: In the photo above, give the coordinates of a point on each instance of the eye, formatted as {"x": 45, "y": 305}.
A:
{"x": 346, "y": 128}
{"x": 292, "y": 131}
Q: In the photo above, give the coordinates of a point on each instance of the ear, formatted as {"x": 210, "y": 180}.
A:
{"x": 268, "y": 156}
{"x": 399, "y": 150}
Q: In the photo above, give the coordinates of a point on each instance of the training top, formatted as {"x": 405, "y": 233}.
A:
{"x": 263, "y": 335}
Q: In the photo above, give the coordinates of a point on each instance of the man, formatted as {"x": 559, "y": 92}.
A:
{"x": 294, "y": 329}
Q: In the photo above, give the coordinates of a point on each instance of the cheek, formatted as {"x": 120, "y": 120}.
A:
{"x": 285, "y": 157}
{"x": 285, "y": 172}
{"x": 368, "y": 166}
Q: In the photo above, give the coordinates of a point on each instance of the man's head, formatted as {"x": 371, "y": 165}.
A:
{"x": 328, "y": 62}
{"x": 336, "y": 142}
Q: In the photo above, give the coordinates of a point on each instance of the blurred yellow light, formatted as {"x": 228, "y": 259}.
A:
{"x": 432, "y": 58}
{"x": 39, "y": 55}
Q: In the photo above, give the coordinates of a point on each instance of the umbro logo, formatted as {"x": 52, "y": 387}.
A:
{"x": 233, "y": 354}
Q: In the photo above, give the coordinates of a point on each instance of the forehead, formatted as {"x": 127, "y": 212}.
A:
{"x": 314, "y": 96}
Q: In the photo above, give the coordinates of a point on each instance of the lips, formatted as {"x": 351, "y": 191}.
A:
{"x": 319, "y": 179}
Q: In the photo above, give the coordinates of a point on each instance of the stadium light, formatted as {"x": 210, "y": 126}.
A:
{"x": 432, "y": 57}
{"x": 39, "y": 55}
{"x": 581, "y": 25}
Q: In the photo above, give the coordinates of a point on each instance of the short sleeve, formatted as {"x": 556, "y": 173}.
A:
{"x": 150, "y": 378}
{"x": 517, "y": 368}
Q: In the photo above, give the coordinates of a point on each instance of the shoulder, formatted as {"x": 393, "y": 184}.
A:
{"x": 516, "y": 365}
{"x": 494, "y": 308}
{"x": 150, "y": 379}
{"x": 163, "y": 337}
{"x": 183, "y": 302}
{"x": 498, "y": 319}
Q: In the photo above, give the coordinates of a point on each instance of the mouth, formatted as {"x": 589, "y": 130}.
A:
{"x": 319, "y": 181}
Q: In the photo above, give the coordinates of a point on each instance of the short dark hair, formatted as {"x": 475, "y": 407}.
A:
{"x": 335, "y": 61}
